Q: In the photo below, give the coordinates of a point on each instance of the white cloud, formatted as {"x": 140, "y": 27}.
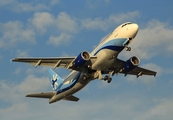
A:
{"x": 27, "y": 7}
{"x": 6, "y": 2}
{"x": 14, "y": 32}
{"x": 54, "y": 2}
{"x": 133, "y": 104}
{"x": 24, "y": 6}
{"x": 67, "y": 27}
{"x": 119, "y": 107}
{"x": 161, "y": 111}
{"x": 22, "y": 53}
{"x": 16, "y": 112}
{"x": 33, "y": 70}
{"x": 42, "y": 20}
{"x": 104, "y": 24}
{"x": 66, "y": 23}
{"x": 152, "y": 40}
{"x": 63, "y": 38}
{"x": 11, "y": 91}
{"x": 97, "y": 23}
{"x": 96, "y": 4}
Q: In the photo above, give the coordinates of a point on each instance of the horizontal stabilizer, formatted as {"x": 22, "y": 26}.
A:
{"x": 41, "y": 95}
{"x": 71, "y": 98}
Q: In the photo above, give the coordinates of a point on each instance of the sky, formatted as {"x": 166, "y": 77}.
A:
{"x": 54, "y": 28}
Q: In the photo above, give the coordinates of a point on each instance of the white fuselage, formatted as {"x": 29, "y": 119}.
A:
{"x": 106, "y": 52}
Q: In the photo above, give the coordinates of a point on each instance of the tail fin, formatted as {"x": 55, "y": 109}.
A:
{"x": 55, "y": 79}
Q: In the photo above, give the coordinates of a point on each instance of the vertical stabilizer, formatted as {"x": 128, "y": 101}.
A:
{"x": 55, "y": 79}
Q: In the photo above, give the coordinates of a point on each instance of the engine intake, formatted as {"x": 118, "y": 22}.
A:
{"x": 131, "y": 63}
{"x": 82, "y": 58}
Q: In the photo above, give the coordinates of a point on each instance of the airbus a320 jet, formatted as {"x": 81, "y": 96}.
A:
{"x": 102, "y": 63}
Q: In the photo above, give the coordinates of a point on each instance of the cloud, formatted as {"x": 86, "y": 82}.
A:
{"x": 67, "y": 27}
{"x": 12, "y": 91}
{"x": 104, "y": 24}
{"x": 154, "y": 39}
{"x": 25, "y": 6}
{"x": 14, "y": 32}
{"x": 119, "y": 107}
{"x": 6, "y": 2}
{"x": 97, "y": 4}
{"x": 62, "y": 39}
{"x": 41, "y": 21}
{"x": 54, "y": 2}
{"x": 161, "y": 111}
{"x": 21, "y": 53}
{"x": 66, "y": 23}
{"x": 17, "y": 112}
{"x": 132, "y": 103}
{"x": 28, "y": 6}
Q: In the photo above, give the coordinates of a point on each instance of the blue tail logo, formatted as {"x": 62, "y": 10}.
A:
{"x": 54, "y": 82}
{"x": 55, "y": 79}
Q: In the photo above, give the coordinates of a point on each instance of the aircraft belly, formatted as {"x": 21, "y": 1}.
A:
{"x": 105, "y": 58}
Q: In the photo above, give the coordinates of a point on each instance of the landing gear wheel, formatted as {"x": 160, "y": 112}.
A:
{"x": 106, "y": 78}
{"x": 109, "y": 80}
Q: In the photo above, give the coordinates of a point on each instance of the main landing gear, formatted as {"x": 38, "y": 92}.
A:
{"x": 107, "y": 78}
{"x": 98, "y": 75}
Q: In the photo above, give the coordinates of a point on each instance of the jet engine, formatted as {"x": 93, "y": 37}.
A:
{"x": 82, "y": 58}
{"x": 131, "y": 63}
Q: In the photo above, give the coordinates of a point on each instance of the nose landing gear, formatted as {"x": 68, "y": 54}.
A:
{"x": 128, "y": 48}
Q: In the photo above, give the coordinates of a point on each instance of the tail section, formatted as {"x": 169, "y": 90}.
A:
{"x": 55, "y": 79}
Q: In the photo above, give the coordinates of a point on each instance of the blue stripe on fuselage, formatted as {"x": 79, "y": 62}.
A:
{"x": 64, "y": 87}
{"x": 115, "y": 44}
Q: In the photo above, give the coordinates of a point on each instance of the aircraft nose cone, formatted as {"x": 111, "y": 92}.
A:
{"x": 135, "y": 28}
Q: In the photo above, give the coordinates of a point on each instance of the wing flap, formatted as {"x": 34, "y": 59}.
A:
{"x": 41, "y": 95}
{"x": 71, "y": 98}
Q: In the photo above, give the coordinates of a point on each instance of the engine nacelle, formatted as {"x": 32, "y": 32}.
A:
{"x": 82, "y": 58}
{"x": 131, "y": 63}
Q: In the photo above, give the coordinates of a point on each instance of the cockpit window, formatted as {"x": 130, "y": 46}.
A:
{"x": 126, "y": 24}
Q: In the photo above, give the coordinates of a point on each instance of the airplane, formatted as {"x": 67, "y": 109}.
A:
{"x": 102, "y": 63}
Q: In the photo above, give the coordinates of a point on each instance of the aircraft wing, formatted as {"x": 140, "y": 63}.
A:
{"x": 42, "y": 95}
{"x": 50, "y": 95}
{"x": 66, "y": 62}
{"x": 138, "y": 71}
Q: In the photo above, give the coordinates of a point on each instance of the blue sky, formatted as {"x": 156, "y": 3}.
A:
{"x": 43, "y": 28}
